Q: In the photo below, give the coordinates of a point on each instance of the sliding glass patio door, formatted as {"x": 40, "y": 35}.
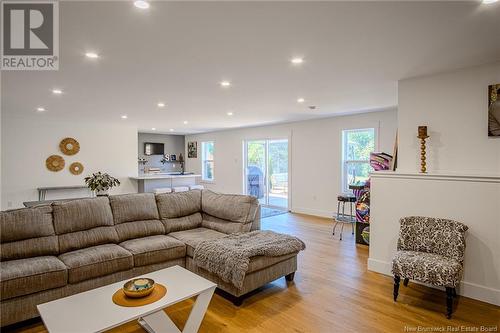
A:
{"x": 266, "y": 171}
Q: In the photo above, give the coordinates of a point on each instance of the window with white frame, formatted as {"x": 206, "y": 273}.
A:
{"x": 207, "y": 160}
{"x": 357, "y": 144}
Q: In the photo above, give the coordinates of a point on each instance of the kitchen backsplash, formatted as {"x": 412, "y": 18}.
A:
{"x": 173, "y": 145}
{"x": 154, "y": 162}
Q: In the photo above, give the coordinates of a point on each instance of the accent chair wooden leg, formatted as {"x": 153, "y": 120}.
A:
{"x": 454, "y": 292}
{"x": 396, "y": 287}
{"x": 289, "y": 277}
{"x": 449, "y": 301}
{"x": 405, "y": 282}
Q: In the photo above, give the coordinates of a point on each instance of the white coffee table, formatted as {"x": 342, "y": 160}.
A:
{"x": 94, "y": 310}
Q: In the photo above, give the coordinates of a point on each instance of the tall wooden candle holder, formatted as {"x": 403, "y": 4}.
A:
{"x": 422, "y": 135}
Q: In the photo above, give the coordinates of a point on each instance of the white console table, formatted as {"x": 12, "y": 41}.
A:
{"x": 42, "y": 191}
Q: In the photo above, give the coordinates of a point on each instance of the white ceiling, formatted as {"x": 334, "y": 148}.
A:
{"x": 178, "y": 52}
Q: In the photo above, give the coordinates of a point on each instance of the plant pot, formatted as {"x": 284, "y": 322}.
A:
{"x": 102, "y": 193}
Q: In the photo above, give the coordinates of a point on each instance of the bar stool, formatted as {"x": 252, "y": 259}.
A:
{"x": 343, "y": 217}
{"x": 161, "y": 190}
{"x": 180, "y": 188}
{"x": 196, "y": 187}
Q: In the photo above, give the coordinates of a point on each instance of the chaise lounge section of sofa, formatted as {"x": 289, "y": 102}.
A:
{"x": 53, "y": 251}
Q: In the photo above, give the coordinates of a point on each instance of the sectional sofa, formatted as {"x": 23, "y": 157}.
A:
{"x": 53, "y": 251}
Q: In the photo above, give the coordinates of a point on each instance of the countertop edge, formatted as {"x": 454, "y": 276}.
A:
{"x": 152, "y": 177}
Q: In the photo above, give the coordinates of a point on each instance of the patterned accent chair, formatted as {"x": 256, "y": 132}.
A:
{"x": 430, "y": 250}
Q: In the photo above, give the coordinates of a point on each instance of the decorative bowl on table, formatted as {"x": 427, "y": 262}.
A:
{"x": 138, "y": 288}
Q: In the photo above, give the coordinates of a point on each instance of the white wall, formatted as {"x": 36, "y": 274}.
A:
{"x": 457, "y": 199}
{"x": 26, "y": 143}
{"x": 315, "y": 156}
{"x": 454, "y": 106}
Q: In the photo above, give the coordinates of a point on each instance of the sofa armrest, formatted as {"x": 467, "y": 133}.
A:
{"x": 256, "y": 221}
{"x": 231, "y": 207}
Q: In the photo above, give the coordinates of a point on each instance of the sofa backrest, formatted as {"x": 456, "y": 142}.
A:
{"x": 432, "y": 235}
{"x": 136, "y": 215}
{"x": 83, "y": 223}
{"x": 231, "y": 207}
{"x": 180, "y": 211}
{"x": 27, "y": 232}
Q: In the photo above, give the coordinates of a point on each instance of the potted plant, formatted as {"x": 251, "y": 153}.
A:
{"x": 100, "y": 183}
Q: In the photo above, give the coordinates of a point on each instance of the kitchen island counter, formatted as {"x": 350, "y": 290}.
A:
{"x": 164, "y": 176}
{"x": 150, "y": 182}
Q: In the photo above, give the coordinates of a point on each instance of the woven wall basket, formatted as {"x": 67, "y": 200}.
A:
{"x": 55, "y": 163}
{"x": 76, "y": 168}
{"x": 69, "y": 146}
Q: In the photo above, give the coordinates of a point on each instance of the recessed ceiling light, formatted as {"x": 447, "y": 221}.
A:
{"x": 225, "y": 83}
{"x": 153, "y": 128}
{"x": 185, "y": 122}
{"x": 171, "y": 130}
{"x": 57, "y": 91}
{"x": 92, "y": 55}
{"x": 300, "y": 100}
{"x": 489, "y": 2}
{"x": 124, "y": 116}
{"x": 297, "y": 61}
{"x": 230, "y": 113}
{"x": 161, "y": 105}
{"x": 141, "y": 4}
{"x": 40, "y": 109}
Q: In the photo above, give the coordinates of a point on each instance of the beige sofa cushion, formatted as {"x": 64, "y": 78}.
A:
{"x": 85, "y": 264}
{"x": 137, "y": 229}
{"x": 84, "y": 214}
{"x": 182, "y": 223}
{"x": 231, "y": 207}
{"x": 224, "y": 226}
{"x": 135, "y": 216}
{"x": 154, "y": 249}
{"x": 84, "y": 223}
{"x": 32, "y": 247}
{"x": 192, "y": 237}
{"x": 31, "y": 275}
{"x": 27, "y": 232}
{"x": 173, "y": 205}
{"x": 87, "y": 238}
{"x": 134, "y": 207}
{"x": 24, "y": 223}
{"x": 260, "y": 262}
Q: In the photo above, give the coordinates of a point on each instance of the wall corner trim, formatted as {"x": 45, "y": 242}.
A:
{"x": 437, "y": 176}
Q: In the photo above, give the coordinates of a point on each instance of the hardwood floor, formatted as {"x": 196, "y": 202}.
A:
{"x": 332, "y": 292}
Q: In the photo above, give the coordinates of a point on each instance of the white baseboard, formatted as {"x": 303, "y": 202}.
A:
{"x": 314, "y": 212}
{"x": 379, "y": 266}
{"x": 467, "y": 289}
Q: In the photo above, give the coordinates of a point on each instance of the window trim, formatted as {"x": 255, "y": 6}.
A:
{"x": 344, "y": 163}
{"x": 203, "y": 160}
